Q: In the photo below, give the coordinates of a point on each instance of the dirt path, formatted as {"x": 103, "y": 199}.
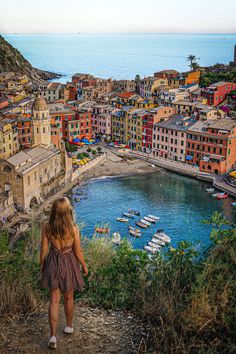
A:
{"x": 95, "y": 331}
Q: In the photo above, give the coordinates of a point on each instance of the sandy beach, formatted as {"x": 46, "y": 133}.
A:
{"x": 118, "y": 166}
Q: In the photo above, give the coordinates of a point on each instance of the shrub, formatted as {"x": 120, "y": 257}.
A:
{"x": 94, "y": 152}
{"x": 99, "y": 149}
{"x": 89, "y": 149}
{"x": 70, "y": 148}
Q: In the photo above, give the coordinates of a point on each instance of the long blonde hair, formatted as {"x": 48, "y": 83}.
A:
{"x": 61, "y": 223}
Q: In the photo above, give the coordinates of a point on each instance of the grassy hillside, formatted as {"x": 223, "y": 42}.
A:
{"x": 188, "y": 298}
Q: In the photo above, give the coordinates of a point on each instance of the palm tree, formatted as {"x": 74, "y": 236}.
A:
{"x": 193, "y": 61}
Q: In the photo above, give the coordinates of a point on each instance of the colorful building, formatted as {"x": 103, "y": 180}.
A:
{"x": 24, "y": 125}
{"x": 135, "y": 122}
{"x": 217, "y": 93}
{"x": 169, "y": 138}
{"x": 211, "y": 145}
{"x": 192, "y": 77}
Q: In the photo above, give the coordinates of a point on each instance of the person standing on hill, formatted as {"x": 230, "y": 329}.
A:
{"x": 60, "y": 258}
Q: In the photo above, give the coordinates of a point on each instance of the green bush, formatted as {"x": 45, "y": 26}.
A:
{"x": 94, "y": 152}
{"x": 89, "y": 149}
{"x": 99, "y": 149}
{"x": 71, "y": 148}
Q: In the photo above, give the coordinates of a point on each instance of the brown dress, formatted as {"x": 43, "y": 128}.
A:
{"x": 61, "y": 270}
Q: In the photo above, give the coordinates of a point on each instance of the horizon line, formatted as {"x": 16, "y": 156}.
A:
{"x": 123, "y": 33}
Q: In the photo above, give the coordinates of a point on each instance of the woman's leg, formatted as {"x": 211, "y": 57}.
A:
{"x": 53, "y": 312}
{"x": 69, "y": 307}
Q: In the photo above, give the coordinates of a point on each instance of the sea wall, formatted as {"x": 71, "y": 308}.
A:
{"x": 81, "y": 172}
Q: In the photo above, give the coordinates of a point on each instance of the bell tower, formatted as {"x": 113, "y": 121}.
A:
{"x": 41, "y": 123}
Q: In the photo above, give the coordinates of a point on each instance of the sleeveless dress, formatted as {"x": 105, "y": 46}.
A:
{"x": 61, "y": 270}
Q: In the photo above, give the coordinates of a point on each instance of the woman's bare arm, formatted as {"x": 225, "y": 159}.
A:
{"x": 44, "y": 246}
{"x": 79, "y": 252}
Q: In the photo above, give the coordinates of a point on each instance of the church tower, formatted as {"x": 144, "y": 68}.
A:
{"x": 41, "y": 123}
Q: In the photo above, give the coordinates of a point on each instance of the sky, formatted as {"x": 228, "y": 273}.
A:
{"x": 118, "y": 16}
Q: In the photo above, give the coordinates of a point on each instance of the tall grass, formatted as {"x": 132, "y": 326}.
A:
{"x": 189, "y": 299}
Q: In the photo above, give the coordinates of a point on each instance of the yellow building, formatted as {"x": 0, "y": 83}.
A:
{"x": 119, "y": 123}
{"x": 9, "y": 144}
{"x": 135, "y": 119}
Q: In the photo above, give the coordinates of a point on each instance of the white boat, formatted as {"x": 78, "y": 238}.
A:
{"x": 134, "y": 229}
{"x": 122, "y": 219}
{"x": 153, "y": 221}
{"x": 134, "y": 233}
{"x": 154, "y": 217}
{"x": 217, "y": 194}
{"x": 210, "y": 190}
{"x": 128, "y": 215}
{"x": 153, "y": 244}
{"x": 153, "y": 166}
{"x": 152, "y": 250}
{"x": 163, "y": 237}
{"x": 145, "y": 222}
{"x": 158, "y": 241}
{"x": 116, "y": 238}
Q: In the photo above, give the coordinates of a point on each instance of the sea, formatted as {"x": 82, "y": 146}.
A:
{"x": 121, "y": 56}
{"x": 182, "y": 203}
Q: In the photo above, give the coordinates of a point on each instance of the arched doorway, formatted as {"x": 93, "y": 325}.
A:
{"x": 216, "y": 171}
{"x": 33, "y": 202}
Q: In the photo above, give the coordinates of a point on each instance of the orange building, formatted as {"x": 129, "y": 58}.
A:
{"x": 192, "y": 77}
{"x": 24, "y": 126}
{"x": 212, "y": 145}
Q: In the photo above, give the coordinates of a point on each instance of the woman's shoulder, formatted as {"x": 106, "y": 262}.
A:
{"x": 45, "y": 228}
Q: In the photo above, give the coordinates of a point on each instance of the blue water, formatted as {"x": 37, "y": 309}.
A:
{"x": 180, "y": 202}
{"x": 121, "y": 55}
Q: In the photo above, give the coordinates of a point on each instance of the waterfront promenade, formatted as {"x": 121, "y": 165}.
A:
{"x": 182, "y": 168}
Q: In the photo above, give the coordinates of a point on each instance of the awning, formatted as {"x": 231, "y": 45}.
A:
{"x": 189, "y": 157}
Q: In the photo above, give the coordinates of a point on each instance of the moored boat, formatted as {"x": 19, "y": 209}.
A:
{"x": 217, "y": 194}
{"x": 233, "y": 204}
{"x": 158, "y": 241}
{"x": 222, "y": 196}
{"x": 134, "y": 233}
{"x": 102, "y": 230}
{"x": 210, "y": 190}
{"x": 152, "y": 250}
{"x": 122, "y": 219}
{"x": 128, "y": 215}
{"x": 153, "y": 244}
{"x": 140, "y": 224}
{"x": 134, "y": 229}
{"x": 154, "y": 217}
{"x": 145, "y": 222}
{"x": 147, "y": 218}
{"x": 134, "y": 212}
{"x": 163, "y": 237}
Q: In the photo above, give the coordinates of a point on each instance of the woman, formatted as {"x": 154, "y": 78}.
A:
{"x": 60, "y": 266}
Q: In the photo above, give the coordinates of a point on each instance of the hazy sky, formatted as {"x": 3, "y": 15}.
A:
{"x": 44, "y": 16}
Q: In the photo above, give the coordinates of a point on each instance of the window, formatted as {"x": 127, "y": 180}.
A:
{"x": 182, "y": 142}
{"x": 28, "y": 180}
{"x": 35, "y": 175}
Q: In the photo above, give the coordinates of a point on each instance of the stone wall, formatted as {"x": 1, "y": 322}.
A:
{"x": 7, "y": 208}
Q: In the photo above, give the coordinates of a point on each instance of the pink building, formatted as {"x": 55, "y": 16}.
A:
{"x": 101, "y": 121}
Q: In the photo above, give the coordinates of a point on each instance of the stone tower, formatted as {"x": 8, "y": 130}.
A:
{"x": 41, "y": 123}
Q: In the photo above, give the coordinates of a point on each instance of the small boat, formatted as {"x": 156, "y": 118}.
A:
{"x": 154, "y": 217}
{"x": 153, "y": 244}
{"x": 116, "y": 238}
{"x": 159, "y": 231}
{"x": 128, "y": 215}
{"x": 76, "y": 199}
{"x": 135, "y": 234}
{"x": 134, "y": 212}
{"x": 222, "y": 196}
{"x": 158, "y": 242}
{"x": 152, "y": 250}
{"x": 102, "y": 230}
{"x": 153, "y": 166}
{"x": 134, "y": 229}
{"x": 210, "y": 190}
{"x": 145, "y": 222}
{"x": 141, "y": 224}
{"x": 122, "y": 219}
{"x": 163, "y": 237}
{"x": 217, "y": 194}
{"x": 233, "y": 204}
{"x": 152, "y": 221}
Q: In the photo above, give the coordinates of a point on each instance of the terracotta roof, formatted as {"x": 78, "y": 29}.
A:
{"x": 126, "y": 95}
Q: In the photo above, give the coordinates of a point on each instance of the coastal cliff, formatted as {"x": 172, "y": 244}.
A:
{"x": 12, "y": 60}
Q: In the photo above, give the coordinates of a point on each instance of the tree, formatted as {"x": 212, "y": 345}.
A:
{"x": 193, "y": 61}
{"x": 99, "y": 149}
{"x": 89, "y": 149}
{"x": 94, "y": 152}
{"x": 137, "y": 78}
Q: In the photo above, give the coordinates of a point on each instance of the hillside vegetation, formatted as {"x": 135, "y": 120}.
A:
{"x": 12, "y": 60}
{"x": 188, "y": 298}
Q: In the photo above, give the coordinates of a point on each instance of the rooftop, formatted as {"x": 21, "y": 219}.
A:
{"x": 177, "y": 122}
{"x": 27, "y": 159}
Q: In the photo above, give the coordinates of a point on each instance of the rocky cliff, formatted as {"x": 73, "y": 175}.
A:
{"x": 12, "y": 60}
